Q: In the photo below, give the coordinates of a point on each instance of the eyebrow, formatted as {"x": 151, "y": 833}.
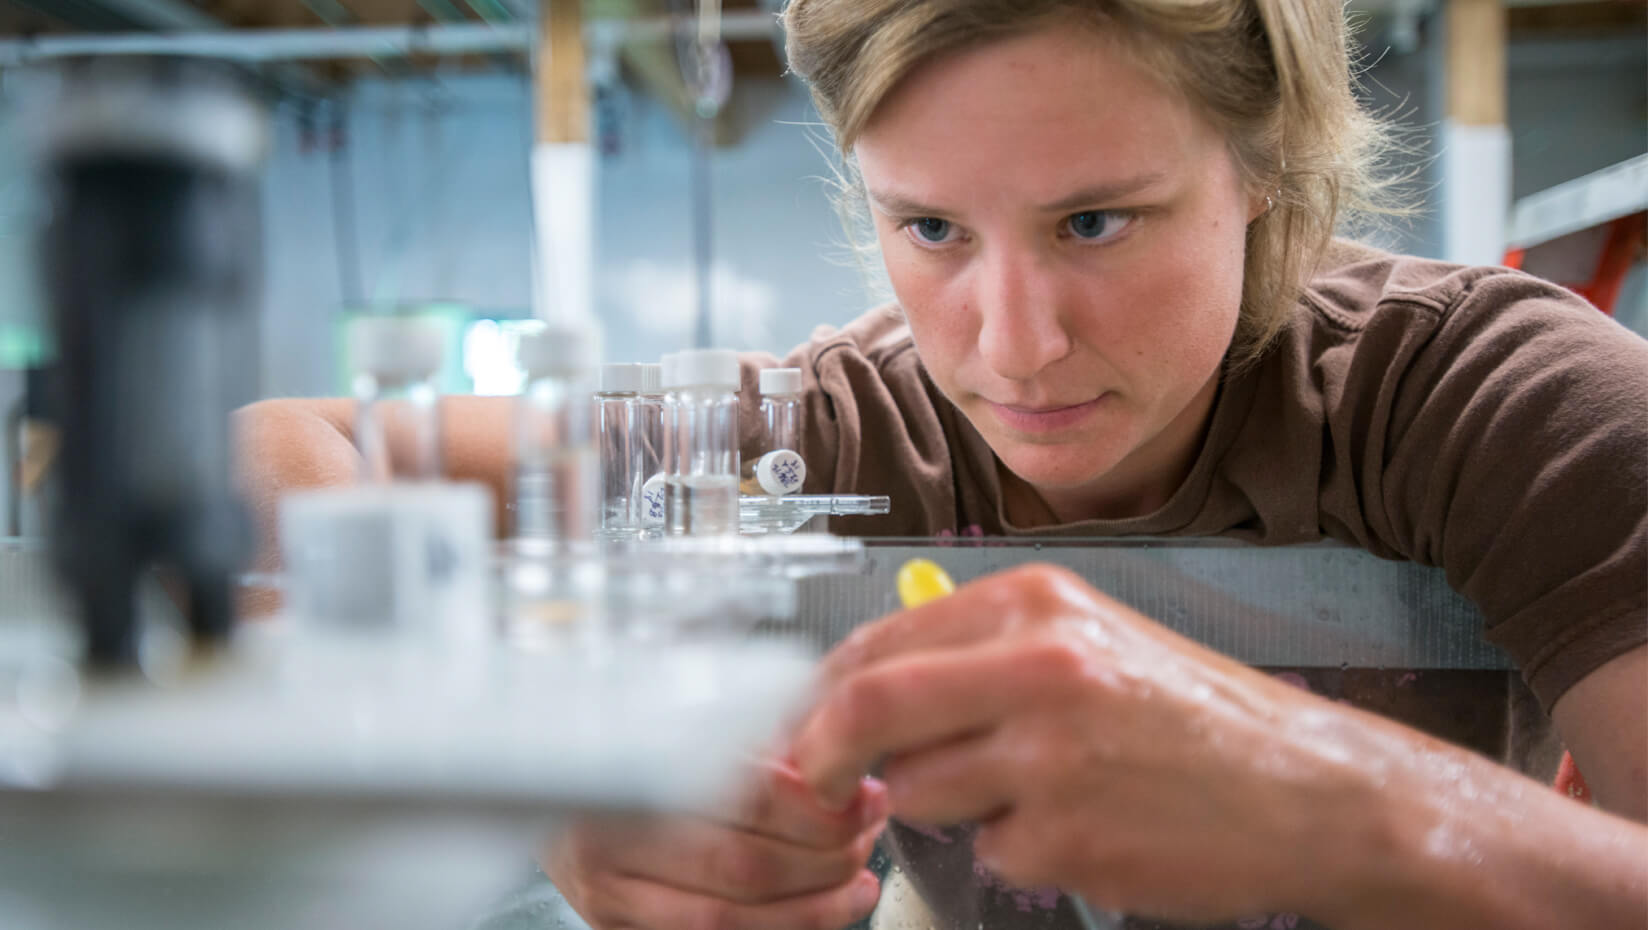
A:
{"x": 899, "y": 205}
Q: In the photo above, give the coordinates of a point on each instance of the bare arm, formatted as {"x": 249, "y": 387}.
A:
{"x": 1604, "y": 722}
{"x": 1108, "y": 756}
{"x": 1489, "y": 848}
{"x": 284, "y": 445}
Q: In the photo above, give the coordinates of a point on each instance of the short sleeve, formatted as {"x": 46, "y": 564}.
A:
{"x": 1517, "y": 459}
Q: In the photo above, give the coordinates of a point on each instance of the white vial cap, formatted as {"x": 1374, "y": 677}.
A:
{"x": 397, "y": 348}
{"x": 652, "y": 377}
{"x": 780, "y": 472}
{"x": 557, "y": 350}
{"x": 707, "y": 368}
{"x": 622, "y": 378}
{"x": 666, "y": 371}
{"x": 781, "y": 381}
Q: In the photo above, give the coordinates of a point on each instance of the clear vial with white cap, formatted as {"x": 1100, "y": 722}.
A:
{"x": 780, "y": 470}
{"x": 621, "y": 431}
{"x": 396, "y": 361}
{"x": 650, "y": 428}
{"x": 656, "y": 496}
{"x": 556, "y": 463}
{"x": 702, "y": 487}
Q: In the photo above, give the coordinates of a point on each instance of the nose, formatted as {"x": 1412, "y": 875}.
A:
{"x": 1021, "y": 330}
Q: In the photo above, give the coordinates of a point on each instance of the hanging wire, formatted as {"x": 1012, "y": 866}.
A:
{"x": 706, "y": 70}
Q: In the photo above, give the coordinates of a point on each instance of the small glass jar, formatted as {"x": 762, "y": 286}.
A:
{"x": 702, "y": 486}
{"x": 620, "y": 428}
{"x": 656, "y": 495}
{"x": 556, "y": 462}
{"x": 649, "y": 427}
{"x": 396, "y": 361}
{"x": 779, "y": 470}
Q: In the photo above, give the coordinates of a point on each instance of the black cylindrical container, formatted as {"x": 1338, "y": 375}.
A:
{"x": 150, "y": 254}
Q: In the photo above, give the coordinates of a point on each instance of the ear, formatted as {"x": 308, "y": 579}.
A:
{"x": 1258, "y": 204}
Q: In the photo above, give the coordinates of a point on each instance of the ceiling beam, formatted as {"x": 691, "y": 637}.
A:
{"x": 164, "y": 16}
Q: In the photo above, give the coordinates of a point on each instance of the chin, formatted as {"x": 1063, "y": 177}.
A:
{"x": 1057, "y": 467}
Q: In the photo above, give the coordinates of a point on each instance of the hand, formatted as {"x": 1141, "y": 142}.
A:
{"x": 775, "y": 859}
{"x": 1099, "y": 751}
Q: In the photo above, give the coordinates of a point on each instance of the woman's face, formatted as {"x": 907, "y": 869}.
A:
{"x": 1066, "y": 236}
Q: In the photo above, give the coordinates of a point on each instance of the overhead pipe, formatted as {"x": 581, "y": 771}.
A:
{"x": 275, "y": 45}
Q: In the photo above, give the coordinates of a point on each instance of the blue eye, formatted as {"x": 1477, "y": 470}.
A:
{"x": 932, "y": 230}
{"x": 1098, "y": 224}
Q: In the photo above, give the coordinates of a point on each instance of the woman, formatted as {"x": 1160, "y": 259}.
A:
{"x": 1118, "y": 312}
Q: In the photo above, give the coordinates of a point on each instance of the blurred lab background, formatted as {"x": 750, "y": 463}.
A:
{"x": 401, "y": 165}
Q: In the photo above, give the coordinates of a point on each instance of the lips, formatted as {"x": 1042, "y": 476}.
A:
{"x": 1043, "y": 418}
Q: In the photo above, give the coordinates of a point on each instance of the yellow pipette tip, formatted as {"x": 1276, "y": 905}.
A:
{"x": 920, "y": 581}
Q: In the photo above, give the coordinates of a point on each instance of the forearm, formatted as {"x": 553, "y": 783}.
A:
{"x": 286, "y": 445}
{"x": 1467, "y": 843}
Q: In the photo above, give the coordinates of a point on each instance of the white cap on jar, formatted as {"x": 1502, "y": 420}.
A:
{"x": 781, "y": 381}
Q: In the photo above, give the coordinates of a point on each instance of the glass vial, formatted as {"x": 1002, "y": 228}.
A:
{"x": 780, "y": 470}
{"x": 702, "y": 486}
{"x": 656, "y": 496}
{"x": 619, "y": 425}
{"x": 649, "y": 509}
{"x": 397, "y": 405}
{"x": 557, "y": 466}
{"x": 781, "y": 408}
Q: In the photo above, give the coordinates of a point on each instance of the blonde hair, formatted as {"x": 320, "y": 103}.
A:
{"x": 1274, "y": 76}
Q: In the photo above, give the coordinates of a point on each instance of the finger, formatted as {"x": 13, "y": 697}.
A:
{"x": 706, "y": 858}
{"x": 950, "y": 622}
{"x": 644, "y": 905}
{"x": 968, "y": 779}
{"x": 779, "y": 803}
{"x": 977, "y": 611}
{"x": 908, "y": 703}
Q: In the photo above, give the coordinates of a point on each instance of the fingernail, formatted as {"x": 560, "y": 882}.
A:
{"x": 878, "y": 801}
{"x": 866, "y": 893}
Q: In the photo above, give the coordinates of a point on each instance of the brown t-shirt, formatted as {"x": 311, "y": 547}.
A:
{"x": 1477, "y": 419}
{"x": 1472, "y": 418}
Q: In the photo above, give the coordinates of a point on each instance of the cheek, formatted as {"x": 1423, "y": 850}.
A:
{"x": 940, "y": 322}
{"x": 1193, "y": 288}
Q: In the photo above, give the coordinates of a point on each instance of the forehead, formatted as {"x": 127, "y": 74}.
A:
{"x": 1036, "y": 113}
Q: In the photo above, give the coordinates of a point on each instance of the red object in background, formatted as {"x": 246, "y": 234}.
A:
{"x": 1570, "y": 782}
{"x": 1622, "y": 246}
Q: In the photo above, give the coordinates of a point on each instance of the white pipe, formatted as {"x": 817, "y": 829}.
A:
{"x": 1476, "y": 193}
{"x": 269, "y": 45}
{"x": 265, "y": 45}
